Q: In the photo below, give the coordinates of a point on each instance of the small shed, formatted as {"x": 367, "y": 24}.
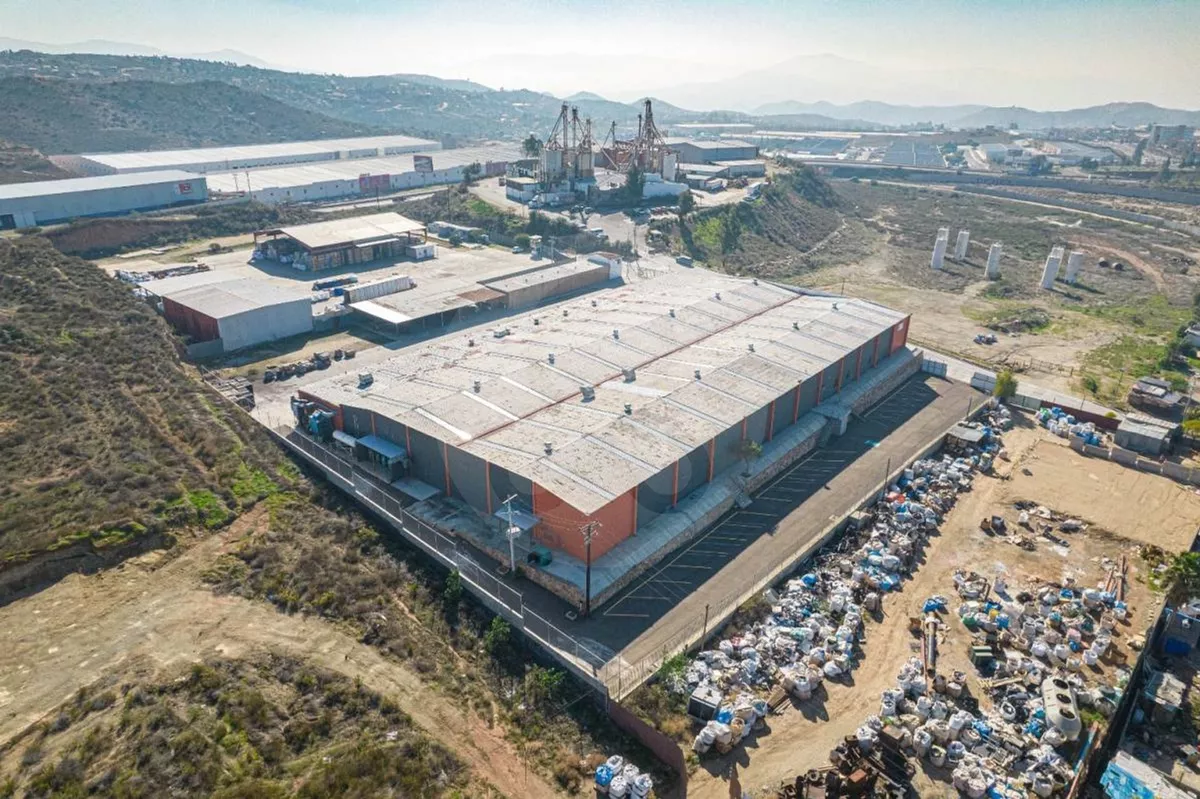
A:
{"x": 962, "y": 438}
{"x": 1146, "y": 435}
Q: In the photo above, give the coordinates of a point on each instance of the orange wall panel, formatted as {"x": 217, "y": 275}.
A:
{"x": 561, "y": 523}
{"x": 900, "y": 334}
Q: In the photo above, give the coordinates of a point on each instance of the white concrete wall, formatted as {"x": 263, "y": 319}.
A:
{"x": 266, "y": 324}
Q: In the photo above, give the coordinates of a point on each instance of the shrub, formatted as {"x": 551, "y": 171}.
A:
{"x": 1006, "y": 384}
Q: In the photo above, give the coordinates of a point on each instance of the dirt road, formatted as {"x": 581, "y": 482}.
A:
{"x": 153, "y": 613}
{"x": 801, "y": 736}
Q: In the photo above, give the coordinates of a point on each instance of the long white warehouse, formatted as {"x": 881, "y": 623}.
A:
{"x": 24, "y": 205}
{"x": 366, "y": 177}
{"x": 223, "y": 159}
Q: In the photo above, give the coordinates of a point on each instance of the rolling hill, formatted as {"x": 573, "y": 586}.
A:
{"x": 63, "y": 116}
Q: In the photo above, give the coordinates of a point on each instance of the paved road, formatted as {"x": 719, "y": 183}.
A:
{"x": 789, "y": 515}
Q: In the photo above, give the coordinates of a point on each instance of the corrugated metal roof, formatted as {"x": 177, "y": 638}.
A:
{"x": 347, "y": 232}
{"x": 598, "y": 451}
{"x": 217, "y": 155}
{"x": 45, "y": 188}
{"x": 219, "y": 300}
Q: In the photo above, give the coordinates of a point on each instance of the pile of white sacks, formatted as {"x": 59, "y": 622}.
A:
{"x": 618, "y": 779}
{"x": 932, "y": 726}
{"x": 732, "y": 725}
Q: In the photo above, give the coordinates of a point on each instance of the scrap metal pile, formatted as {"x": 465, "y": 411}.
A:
{"x": 816, "y": 621}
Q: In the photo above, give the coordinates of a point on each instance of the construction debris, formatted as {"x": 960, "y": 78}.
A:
{"x": 815, "y": 625}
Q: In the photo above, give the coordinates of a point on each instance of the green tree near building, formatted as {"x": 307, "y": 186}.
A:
{"x": 532, "y": 146}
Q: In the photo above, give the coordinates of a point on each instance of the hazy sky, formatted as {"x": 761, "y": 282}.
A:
{"x": 1037, "y": 53}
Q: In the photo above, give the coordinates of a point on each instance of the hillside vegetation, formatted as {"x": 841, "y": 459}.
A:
{"x": 417, "y": 104}
{"x": 70, "y": 116}
{"x": 272, "y": 728}
{"x": 107, "y": 442}
{"x": 21, "y": 164}
{"x": 768, "y": 237}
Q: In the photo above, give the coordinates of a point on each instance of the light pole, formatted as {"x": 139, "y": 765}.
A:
{"x": 589, "y": 532}
{"x": 512, "y": 533}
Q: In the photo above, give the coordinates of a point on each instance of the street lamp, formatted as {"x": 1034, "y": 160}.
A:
{"x": 589, "y": 531}
{"x": 512, "y": 534}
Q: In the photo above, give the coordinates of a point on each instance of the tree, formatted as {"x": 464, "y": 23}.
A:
{"x": 748, "y": 449}
{"x": 1181, "y": 580}
{"x": 522, "y": 240}
{"x": 532, "y": 146}
{"x": 635, "y": 181}
{"x": 1006, "y": 384}
{"x": 1139, "y": 151}
{"x": 687, "y": 204}
{"x": 452, "y": 591}
{"x": 1164, "y": 174}
{"x": 1090, "y": 384}
{"x": 470, "y": 172}
{"x": 498, "y": 634}
{"x": 1089, "y": 164}
{"x": 1039, "y": 164}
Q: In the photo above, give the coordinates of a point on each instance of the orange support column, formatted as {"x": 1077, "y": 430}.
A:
{"x": 675, "y": 487}
{"x": 712, "y": 457}
{"x": 487, "y": 482}
{"x": 633, "y": 513}
{"x": 796, "y": 405}
{"x": 820, "y": 386}
{"x": 446, "y": 466}
{"x": 858, "y": 365}
{"x": 837, "y": 383}
{"x": 771, "y": 421}
{"x": 875, "y": 353}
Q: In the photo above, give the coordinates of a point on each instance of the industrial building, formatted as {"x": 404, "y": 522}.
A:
{"x": 238, "y": 313}
{"x": 368, "y": 177}
{"x": 1147, "y": 435}
{"x": 224, "y": 159}
{"x": 1172, "y": 135}
{"x": 25, "y": 205}
{"x": 344, "y": 242}
{"x": 611, "y": 409}
{"x": 710, "y": 151}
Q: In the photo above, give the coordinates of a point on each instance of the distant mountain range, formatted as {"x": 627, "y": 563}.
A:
{"x": 106, "y": 47}
{"x": 977, "y": 116}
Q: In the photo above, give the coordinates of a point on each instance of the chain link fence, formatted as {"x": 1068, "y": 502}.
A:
{"x": 586, "y": 660}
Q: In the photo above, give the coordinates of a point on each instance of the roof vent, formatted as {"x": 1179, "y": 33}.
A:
{"x": 550, "y": 358}
{"x": 697, "y": 374}
{"x": 470, "y": 342}
{"x": 754, "y": 281}
{"x": 536, "y": 321}
{"x": 752, "y": 347}
{"x": 628, "y": 409}
{"x": 717, "y": 296}
{"x": 588, "y": 392}
{"x": 795, "y": 325}
{"x": 593, "y": 303}
{"x": 565, "y": 312}
{"x": 630, "y": 375}
{"x": 835, "y": 306}
{"x": 672, "y": 313}
{"x": 549, "y": 447}
{"x": 477, "y": 386}
{"x": 616, "y": 334}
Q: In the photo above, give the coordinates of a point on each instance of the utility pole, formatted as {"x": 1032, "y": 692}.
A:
{"x": 512, "y": 534}
{"x": 589, "y": 532}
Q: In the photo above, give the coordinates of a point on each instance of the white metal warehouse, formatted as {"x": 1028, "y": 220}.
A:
{"x": 24, "y": 205}
{"x": 336, "y": 179}
{"x": 223, "y": 159}
{"x": 238, "y": 313}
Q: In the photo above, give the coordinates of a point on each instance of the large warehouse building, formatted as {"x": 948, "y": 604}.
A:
{"x": 238, "y": 313}
{"x": 24, "y": 205}
{"x": 250, "y": 156}
{"x": 613, "y": 408}
{"x": 709, "y": 151}
{"x": 329, "y": 180}
{"x": 343, "y": 242}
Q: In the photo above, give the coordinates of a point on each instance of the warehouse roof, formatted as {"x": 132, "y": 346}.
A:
{"x": 282, "y": 177}
{"x": 215, "y": 155}
{"x": 750, "y": 341}
{"x": 547, "y": 274}
{"x": 221, "y": 300}
{"x": 348, "y": 232}
{"x": 44, "y": 188}
{"x": 709, "y": 144}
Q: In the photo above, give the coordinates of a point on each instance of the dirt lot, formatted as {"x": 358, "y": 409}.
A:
{"x": 152, "y": 613}
{"x": 1118, "y": 504}
{"x": 884, "y": 255}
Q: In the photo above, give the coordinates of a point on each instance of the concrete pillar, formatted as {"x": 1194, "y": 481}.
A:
{"x": 939, "y": 248}
{"x": 1053, "y": 261}
{"x": 1074, "y": 264}
{"x": 962, "y": 245}
{"x": 993, "y": 263}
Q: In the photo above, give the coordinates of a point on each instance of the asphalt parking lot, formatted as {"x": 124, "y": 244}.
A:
{"x": 687, "y": 569}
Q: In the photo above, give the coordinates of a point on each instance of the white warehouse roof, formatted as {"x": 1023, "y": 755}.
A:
{"x": 48, "y": 188}
{"x": 286, "y": 177}
{"x": 153, "y": 159}
{"x": 233, "y": 297}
